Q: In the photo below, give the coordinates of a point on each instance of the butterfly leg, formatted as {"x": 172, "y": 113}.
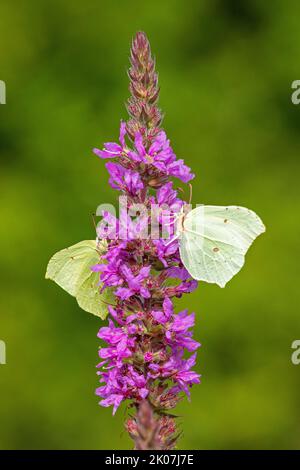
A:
{"x": 172, "y": 240}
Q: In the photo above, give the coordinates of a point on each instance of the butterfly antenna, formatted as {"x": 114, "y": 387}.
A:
{"x": 191, "y": 193}
{"x": 94, "y": 221}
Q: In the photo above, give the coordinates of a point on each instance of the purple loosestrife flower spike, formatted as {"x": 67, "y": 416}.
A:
{"x": 145, "y": 116}
{"x": 149, "y": 353}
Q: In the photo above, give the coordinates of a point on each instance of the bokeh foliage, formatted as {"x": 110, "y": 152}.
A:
{"x": 226, "y": 68}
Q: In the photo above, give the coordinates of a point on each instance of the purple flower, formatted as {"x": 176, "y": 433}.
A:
{"x": 148, "y": 356}
{"x": 178, "y": 335}
{"x": 110, "y": 273}
{"x": 161, "y": 156}
{"x": 121, "y": 383}
{"x": 183, "y": 321}
{"x": 179, "y": 170}
{"x": 112, "y": 392}
{"x": 136, "y": 382}
{"x": 186, "y": 377}
{"x": 111, "y": 149}
{"x": 125, "y": 180}
{"x": 167, "y": 195}
{"x": 111, "y": 334}
{"x": 183, "y": 288}
{"x": 159, "y": 153}
{"x": 120, "y": 316}
{"x": 180, "y": 273}
{"x": 135, "y": 283}
{"x": 178, "y": 370}
{"x": 165, "y": 315}
{"x": 164, "y": 251}
{"x": 118, "y": 352}
{"x": 114, "y": 400}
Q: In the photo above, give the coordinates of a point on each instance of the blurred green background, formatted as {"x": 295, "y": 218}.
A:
{"x": 226, "y": 68}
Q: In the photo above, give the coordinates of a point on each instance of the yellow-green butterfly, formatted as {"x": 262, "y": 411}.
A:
{"x": 71, "y": 269}
{"x": 213, "y": 241}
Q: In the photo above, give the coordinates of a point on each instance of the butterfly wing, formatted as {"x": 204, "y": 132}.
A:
{"x": 90, "y": 298}
{"x": 71, "y": 269}
{"x": 215, "y": 240}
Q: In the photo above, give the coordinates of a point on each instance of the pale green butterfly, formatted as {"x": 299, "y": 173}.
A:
{"x": 213, "y": 241}
{"x": 71, "y": 269}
